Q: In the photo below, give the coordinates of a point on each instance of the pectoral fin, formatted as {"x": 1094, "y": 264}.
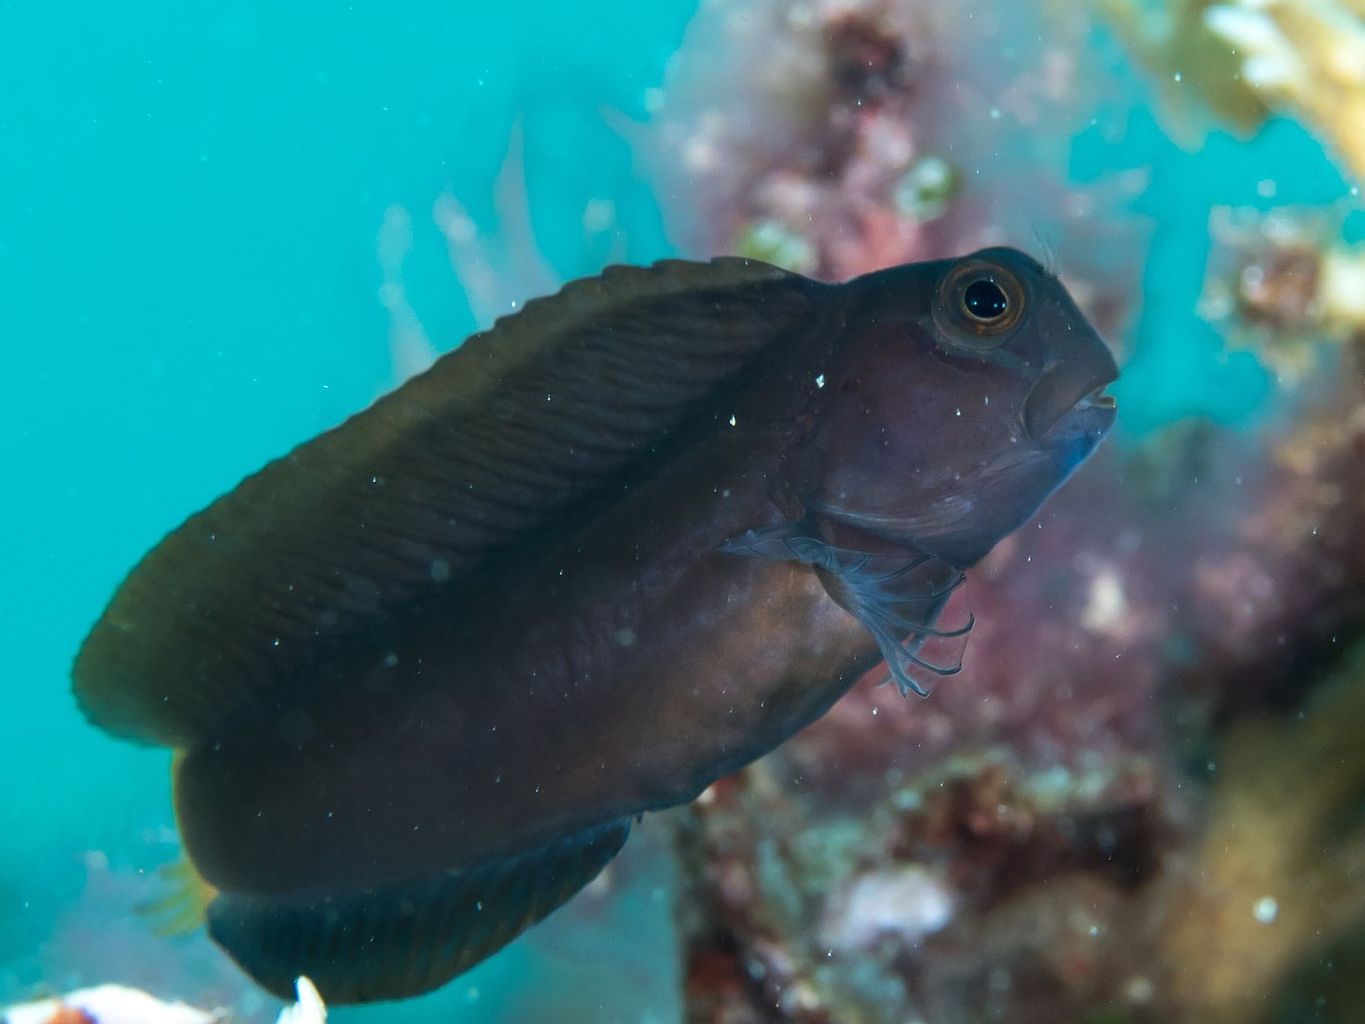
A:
{"x": 897, "y": 596}
{"x": 180, "y": 907}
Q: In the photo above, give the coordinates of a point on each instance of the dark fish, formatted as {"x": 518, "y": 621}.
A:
{"x": 424, "y": 670}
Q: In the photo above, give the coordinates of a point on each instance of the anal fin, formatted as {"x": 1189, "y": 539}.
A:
{"x": 403, "y": 938}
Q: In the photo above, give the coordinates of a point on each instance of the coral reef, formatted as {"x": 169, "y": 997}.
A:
{"x": 1281, "y": 847}
{"x": 1282, "y": 281}
{"x": 1028, "y": 843}
{"x": 119, "y": 1004}
{"x": 1070, "y": 829}
{"x": 1249, "y": 59}
{"x": 497, "y": 269}
{"x": 924, "y": 906}
{"x": 870, "y": 133}
{"x": 108, "y": 1004}
{"x": 410, "y": 350}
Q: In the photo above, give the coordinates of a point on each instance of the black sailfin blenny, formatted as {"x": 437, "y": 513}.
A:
{"x": 421, "y": 672}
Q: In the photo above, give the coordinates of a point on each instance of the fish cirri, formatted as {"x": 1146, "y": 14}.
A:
{"x": 422, "y": 672}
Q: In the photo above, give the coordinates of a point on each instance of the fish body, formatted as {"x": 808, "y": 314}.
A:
{"x": 424, "y": 671}
{"x": 621, "y": 668}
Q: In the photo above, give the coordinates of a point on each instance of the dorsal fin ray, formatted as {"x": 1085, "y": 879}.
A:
{"x": 432, "y": 482}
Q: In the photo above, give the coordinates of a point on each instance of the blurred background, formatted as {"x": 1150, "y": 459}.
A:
{"x": 224, "y": 229}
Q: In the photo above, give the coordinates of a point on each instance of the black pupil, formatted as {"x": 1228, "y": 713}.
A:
{"x": 984, "y": 300}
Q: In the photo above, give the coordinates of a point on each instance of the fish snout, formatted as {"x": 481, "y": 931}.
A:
{"x": 1069, "y": 399}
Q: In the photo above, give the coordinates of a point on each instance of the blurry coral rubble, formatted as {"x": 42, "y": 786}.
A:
{"x": 923, "y": 906}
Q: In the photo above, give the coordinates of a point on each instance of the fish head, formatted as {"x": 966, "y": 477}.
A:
{"x": 962, "y": 394}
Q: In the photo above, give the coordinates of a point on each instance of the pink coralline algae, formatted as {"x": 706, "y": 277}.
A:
{"x": 843, "y": 137}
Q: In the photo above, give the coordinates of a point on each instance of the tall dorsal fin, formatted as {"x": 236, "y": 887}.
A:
{"x": 494, "y": 442}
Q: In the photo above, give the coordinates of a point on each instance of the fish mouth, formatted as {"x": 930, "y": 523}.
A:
{"x": 1097, "y": 399}
{"x": 1064, "y": 404}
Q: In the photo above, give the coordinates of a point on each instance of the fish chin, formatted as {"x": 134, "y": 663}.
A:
{"x": 1074, "y": 437}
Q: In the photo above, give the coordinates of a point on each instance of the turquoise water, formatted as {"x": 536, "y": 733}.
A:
{"x": 188, "y": 264}
{"x": 1180, "y": 365}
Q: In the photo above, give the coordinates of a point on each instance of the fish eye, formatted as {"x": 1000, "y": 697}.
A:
{"x": 984, "y": 300}
{"x": 979, "y": 305}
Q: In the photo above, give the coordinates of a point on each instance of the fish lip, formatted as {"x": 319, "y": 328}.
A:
{"x": 1059, "y": 408}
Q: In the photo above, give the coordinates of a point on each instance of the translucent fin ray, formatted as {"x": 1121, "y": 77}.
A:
{"x": 898, "y": 597}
